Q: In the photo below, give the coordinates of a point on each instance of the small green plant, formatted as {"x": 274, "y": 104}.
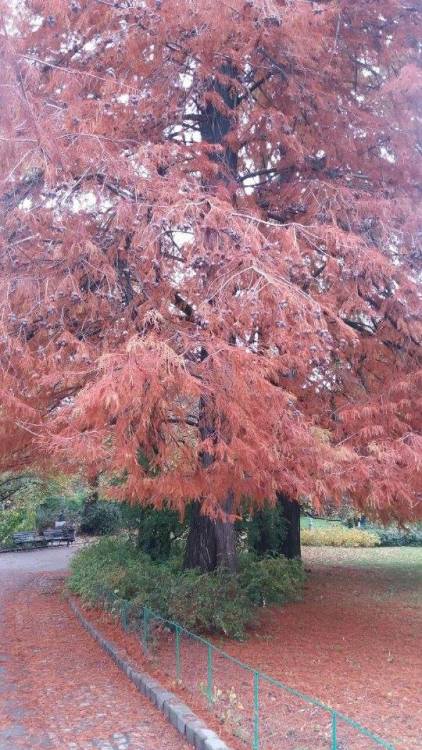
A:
{"x": 271, "y": 580}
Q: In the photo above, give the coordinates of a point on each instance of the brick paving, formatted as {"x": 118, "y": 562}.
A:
{"x": 58, "y": 690}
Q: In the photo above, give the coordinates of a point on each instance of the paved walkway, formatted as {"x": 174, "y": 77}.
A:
{"x": 58, "y": 690}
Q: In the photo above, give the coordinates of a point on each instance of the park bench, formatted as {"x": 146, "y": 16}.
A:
{"x": 59, "y": 535}
{"x": 28, "y": 540}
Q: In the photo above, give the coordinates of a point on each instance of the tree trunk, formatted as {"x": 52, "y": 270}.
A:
{"x": 201, "y": 545}
{"x": 92, "y": 496}
{"x": 215, "y": 126}
{"x": 290, "y": 546}
{"x": 226, "y": 540}
{"x": 210, "y": 543}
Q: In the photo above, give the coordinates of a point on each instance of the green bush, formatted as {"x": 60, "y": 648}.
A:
{"x": 394, "y": 537}
{"x": 266, "y": 531}
{"x": 10, "y": 522}
{"x": 273, "y": 580}
{"x": 210, "y": 602}
{"x": 217, "y": 602}
{"x": 101, "y": 518}
{"x": 157, "y": 530}
{"x": 339, "y": 536}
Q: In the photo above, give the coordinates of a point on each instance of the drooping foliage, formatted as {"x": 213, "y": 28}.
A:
{"x": 209, "y": 250}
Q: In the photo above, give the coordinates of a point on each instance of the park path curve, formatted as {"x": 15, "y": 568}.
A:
{"x": 58, "y": 690}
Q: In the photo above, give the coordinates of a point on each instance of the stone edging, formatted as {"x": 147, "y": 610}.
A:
{"x": 178, "y": 713}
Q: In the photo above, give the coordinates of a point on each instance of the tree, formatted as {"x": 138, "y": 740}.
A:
{"x": 29, "y": 501}
{"x": 209, "y": 252}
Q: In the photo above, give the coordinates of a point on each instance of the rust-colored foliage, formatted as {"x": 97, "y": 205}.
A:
{"x": 209, "y": 249}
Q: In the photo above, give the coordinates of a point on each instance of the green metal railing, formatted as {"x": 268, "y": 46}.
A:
{"x": 260, "y": 710}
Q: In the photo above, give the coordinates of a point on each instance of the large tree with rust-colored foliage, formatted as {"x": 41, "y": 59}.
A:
{"x": 209, "y": 259}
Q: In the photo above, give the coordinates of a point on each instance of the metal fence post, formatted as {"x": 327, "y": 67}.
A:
{"x": 177, "y": 653}
{"x": 145, "y": 628}
{"x": 125, "y": 615}
{"x": 255, "y": 744}
{"x": 334, "y": 731}
{"x": 209, "y": 674}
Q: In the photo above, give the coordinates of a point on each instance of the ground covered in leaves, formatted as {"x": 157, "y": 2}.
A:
{"x": 58, "y": 689}
{"x": 353, "y": 643}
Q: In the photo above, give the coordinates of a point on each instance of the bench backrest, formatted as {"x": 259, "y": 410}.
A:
{"x": 67, "y": 533}
{"x": 24, "y": 536}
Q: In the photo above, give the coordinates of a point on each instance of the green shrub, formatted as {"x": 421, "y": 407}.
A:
{"x": 157, "y": 530}
{"x": 101, "y": 518}
{"x": 272, "y": 580}
{"x": 266, "y": 531}
{"x": 217, "y": 602}
{"x": 394, "y": 537}
{"x": 10, "y": 522}
{"x": 210, "y": 602}
{"x": 339, "y": 536}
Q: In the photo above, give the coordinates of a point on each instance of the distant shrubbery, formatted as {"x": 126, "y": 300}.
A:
{"x": 394, "y": 537}
{"x": 10, "y": 522}
{"x": 332, "y": 534}
{"x": 339, "y": 536}
{"x": 190, "y": 597}
{"x": 58, "y": 507}
{"x": 101, "y": 518}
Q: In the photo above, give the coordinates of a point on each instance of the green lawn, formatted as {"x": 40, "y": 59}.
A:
{"x": 393, "y": 572}
{"x": 387, "y": 558}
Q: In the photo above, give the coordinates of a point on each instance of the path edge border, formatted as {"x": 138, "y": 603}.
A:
{"x": 182, "y": 718}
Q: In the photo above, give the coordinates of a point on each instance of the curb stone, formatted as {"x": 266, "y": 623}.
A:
{"x": 179, "y": 714}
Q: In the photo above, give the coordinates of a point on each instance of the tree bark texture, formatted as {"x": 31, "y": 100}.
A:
{"x": 290, "y": 546}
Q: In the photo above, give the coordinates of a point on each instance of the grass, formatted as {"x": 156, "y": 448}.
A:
{"x": 398, "y": 568}
{"x": 354, "y": 641}
{"x": 386, "y": 558}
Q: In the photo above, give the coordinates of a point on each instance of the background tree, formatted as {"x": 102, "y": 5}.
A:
{"x": 29, "y": 501}
{"x": 210, "y": 252}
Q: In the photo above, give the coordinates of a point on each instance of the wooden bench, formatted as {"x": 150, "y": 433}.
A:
{"x": 28, "y": 540}
{"x": 59, "y": 535}
{"x": 31, "y": 540}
